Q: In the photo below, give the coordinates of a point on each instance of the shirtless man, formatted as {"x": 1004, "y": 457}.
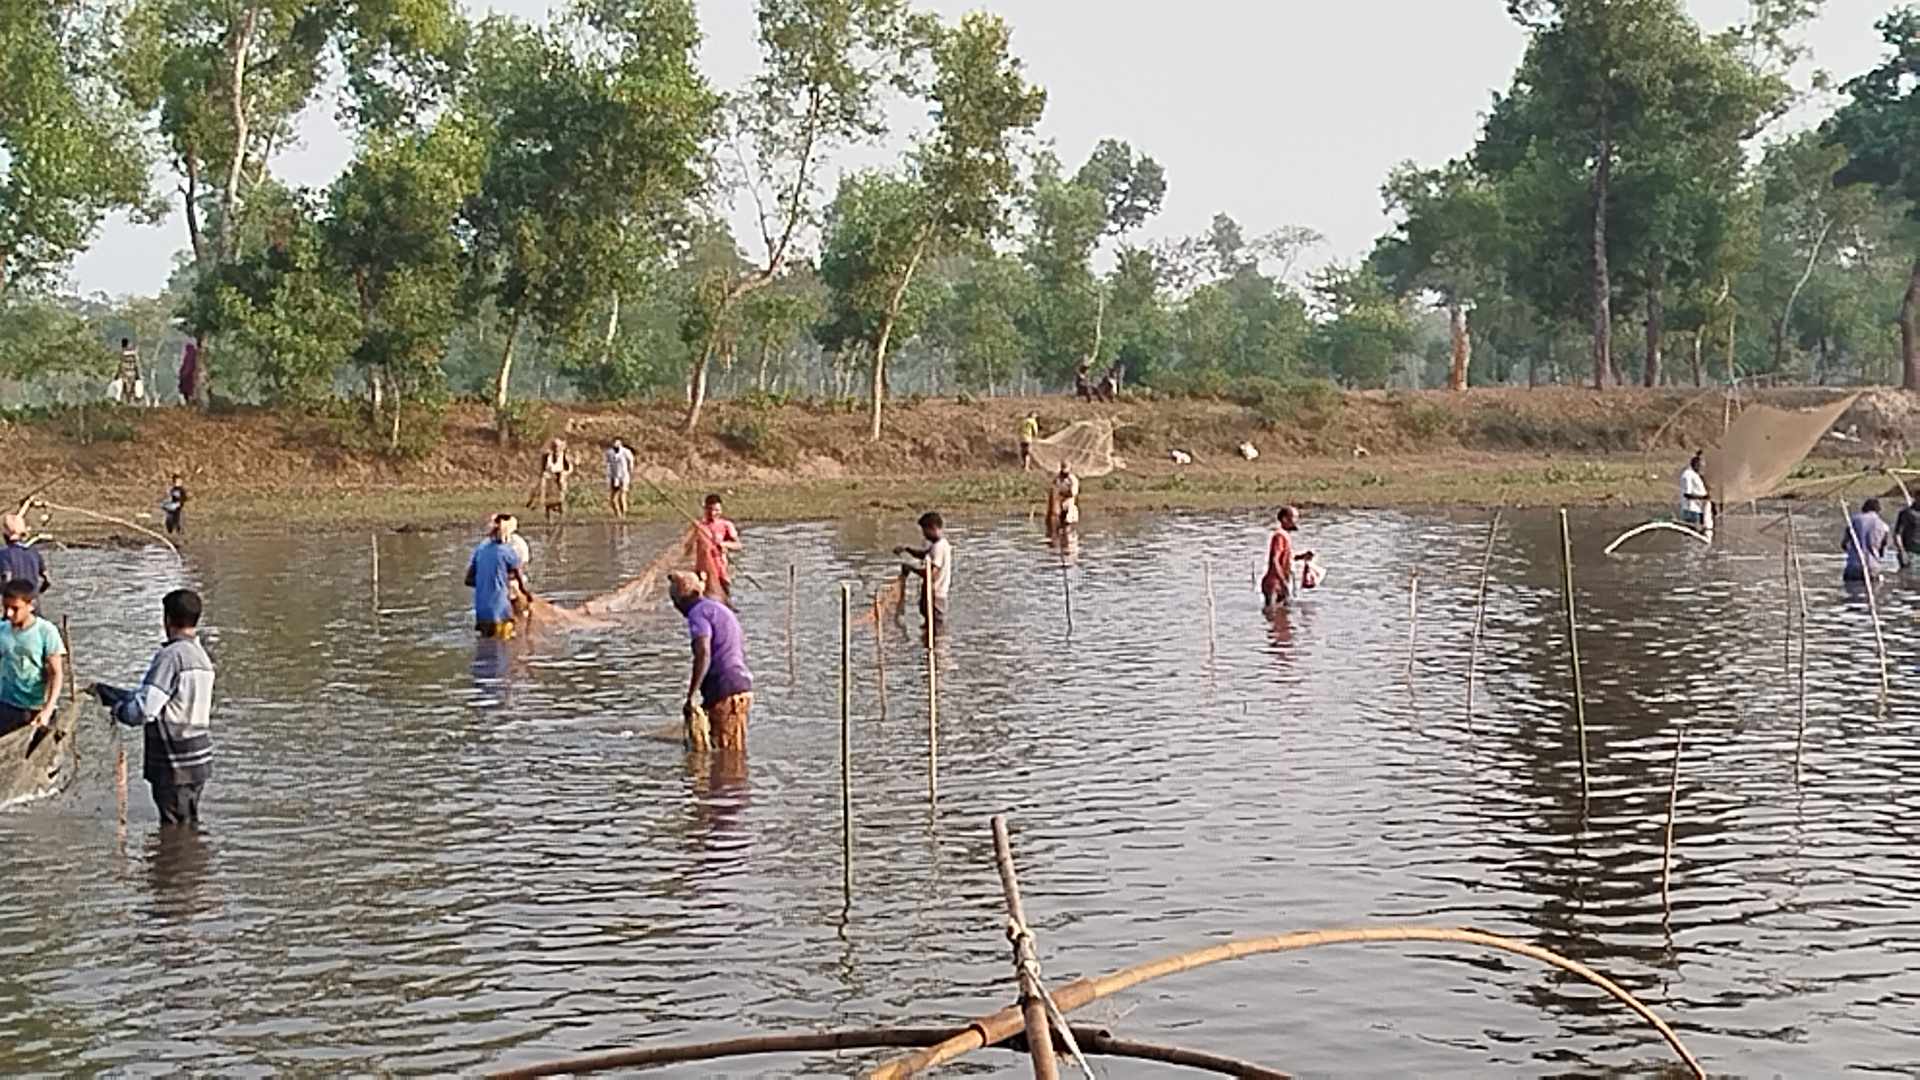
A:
{"x": 556, "y": 468}
{"x": 1276, "y": 588}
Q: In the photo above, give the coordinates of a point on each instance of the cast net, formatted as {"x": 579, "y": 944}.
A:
{"x": 1086, "y": 447}
{"x": 632, "y": 596}
{"x": 1763, "y": 446}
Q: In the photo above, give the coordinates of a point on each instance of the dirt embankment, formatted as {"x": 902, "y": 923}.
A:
{"x": 813, "y": 459}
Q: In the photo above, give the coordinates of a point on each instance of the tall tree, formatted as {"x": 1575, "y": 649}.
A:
{"x": 825, "y": 68}
{"x": 592, "y": 132}
{"x": 1880, "y": 127}
{"x": 69, "y": 149}
{"x": 1448, "y": 240}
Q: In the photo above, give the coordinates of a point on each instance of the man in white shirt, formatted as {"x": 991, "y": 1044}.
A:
{"x": 936, "y": 566}
{"x": 1695, "y": 507}
{"x": 619, "y": 477}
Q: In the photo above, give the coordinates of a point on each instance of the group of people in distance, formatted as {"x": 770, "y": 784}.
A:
{"x": 556, "y": 475}
{"x": 173, "y": 704}
{"x": 1866, "y": 544}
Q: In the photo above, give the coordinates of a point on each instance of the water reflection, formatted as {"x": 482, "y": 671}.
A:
{"x": 431, "y": 854}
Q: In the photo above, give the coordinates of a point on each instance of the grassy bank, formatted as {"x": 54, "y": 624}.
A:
{"x": 263, "y": 471}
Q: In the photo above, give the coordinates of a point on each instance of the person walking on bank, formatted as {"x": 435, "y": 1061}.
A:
{"x": 720, "y": 686}
{"x": 935, "y": 565}
{"x": 32, "y": 660}
{"x": 1029, "y": 431}
{"x": 174, "y": 706}
{"x": 18, "y": 562}
{"x": 619, "y": 477}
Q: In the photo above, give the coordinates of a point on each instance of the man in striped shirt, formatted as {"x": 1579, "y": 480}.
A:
{"x": 174, "y": 704}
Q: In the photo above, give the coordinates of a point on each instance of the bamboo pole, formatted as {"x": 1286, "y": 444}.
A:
{"x": 933, "y": 694}
{"x": 1800, "y": 590}
{"x": 1066, "y": 591}
{"x": 790, "y": 669}
{"x": 880, "y": 654}
{"x": 1413, "y": 620}
{"x": 73, "y": 680}
{"x": 846, "y": 732}
{"x": 1213, "y": 646}
{"x": 1573, "y": 651}
{"x": 1026, "y": 963}
{"x": 111, "y": 520}
{"x": 1480, "y": 612}
{"x": 1873, "y": 605}
{"x": 1673, "y": 803}
{"x": 373, "y": 544}
{"x": 998, "y": 1027}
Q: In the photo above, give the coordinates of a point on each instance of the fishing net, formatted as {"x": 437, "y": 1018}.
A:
{"x": 1086, "y": 447}
{"x": 1763, "y": 446}
{"x": 636, "y": 594}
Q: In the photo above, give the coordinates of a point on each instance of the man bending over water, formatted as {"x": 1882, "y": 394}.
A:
{"x": 720, "y": 684}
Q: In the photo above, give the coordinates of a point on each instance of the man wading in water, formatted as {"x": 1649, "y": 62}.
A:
{"x": 174, "y": 704}
{"x": 720, "y": 686}
{"x": 935, "y": 564}
{"x": 1277, "y": 586}
{"x": 713, "y": 538}
{"x": 493, "y": 565}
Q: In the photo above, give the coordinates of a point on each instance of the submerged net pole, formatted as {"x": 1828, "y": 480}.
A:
{"x": 1573, "y": 652}
{"x": 1480, "y": 612}
{"x": 933, "y": 695}
{"x": 1873, "y": 605}
{"x": 1026, "y": 962}
{"x": 1413, "y": 619}
{"x": 1673, "y": 802}
{"x": 846, "y": 733}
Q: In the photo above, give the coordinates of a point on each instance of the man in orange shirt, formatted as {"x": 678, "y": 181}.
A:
{"x": 713, "y": 537}
{"x": 1277, "y": 586}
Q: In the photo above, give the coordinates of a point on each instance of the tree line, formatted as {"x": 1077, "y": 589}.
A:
{"x": 541, "y": 208}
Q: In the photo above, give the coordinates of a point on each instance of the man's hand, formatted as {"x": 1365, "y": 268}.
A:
{"x": 43, "y": 717}
{"x": 693, "y": 704}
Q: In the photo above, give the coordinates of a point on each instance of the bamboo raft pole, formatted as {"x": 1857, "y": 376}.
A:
{"x": 846, "y": 733}
{"x": 933, "y": 695}
{"x": 1673, "y": 803}
{"x": 1873, "y": 605}
{"x": 999, "y": 1026}
{"x": 1026, "y": 961}
{"x": 1094, "y": 1040}
{"x": 1800, "y": 590}
{"x": 1480, "y": 612}
{"x": 1573, "y": 651}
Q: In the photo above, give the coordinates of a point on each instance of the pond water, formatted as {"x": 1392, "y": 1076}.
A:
{"x": 421, "y": 856}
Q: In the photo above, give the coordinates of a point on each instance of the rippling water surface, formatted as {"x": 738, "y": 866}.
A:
{"x": 425, "y": 857}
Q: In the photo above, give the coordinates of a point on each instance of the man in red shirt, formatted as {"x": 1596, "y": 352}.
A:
{"x": 1277, "y": 586}
{"x": 713, "y": 537}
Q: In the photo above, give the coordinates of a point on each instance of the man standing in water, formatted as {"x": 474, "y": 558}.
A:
{"x": 1694, "y": 504}
{"x": 935, "y": 566}
{"x": 32, "y": 660}
{"x": 619, "y": 477}
{"x": 713, "y": 537}
{"x": 720, "y": 683}
{"x": 18, "y": 562}
{"x": 1906, "y": 534}
{"x": 1064, "y": 501}
{"x": 174, "y": 705}
{"x": 494, "y": 564}
{"x": 1867, "y": 532}
{"x": 1277, "y": 586}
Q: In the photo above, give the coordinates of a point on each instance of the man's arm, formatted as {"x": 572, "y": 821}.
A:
{"x": 702, "y": 660}
{"x": 470, "y": 572}
{"x": 144, "y": 705}
{"x": 519, "y": 578}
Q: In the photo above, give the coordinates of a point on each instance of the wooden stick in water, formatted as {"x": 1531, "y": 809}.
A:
{"x": 1800, "y": 590}
{"x": 846, "y": 732}
{"x": 73, "y": 679}
{"x": 790, "y": 674}
{"x": 1480, "y": 613}
{"x": 373, "y": 544}
{"x": 1206, "y": 566}
{"x": 933, "y": 694}
{"x": 1033, "y": 1007}
{"x": 1413, "y": 619}
{"x": 1573, "y": 652}
{"x": 1873, "y": 605}
{"x": 1673, "y": 801}
{"x": 880, "y": 653}
{"x": 1066, "y": 590}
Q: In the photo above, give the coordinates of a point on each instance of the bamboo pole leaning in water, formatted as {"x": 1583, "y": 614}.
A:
{"x": 1066, "y": 591}
{"x": 880, "y": 653}
{"x": 1413, "y": 619}
{"x": 1873, "y": 605}
{"x": 1480, "y": 613}
{"x": 1673, "y": 802}
{"x": 373, "y": 545}
{"x": 1800, "y": 590}
{"x": 790, "y": 670}
{"x": 1026, "y": 961}
{"x": 1213, "y": 645}
{"x": 1573, "y": 652}
{"x": 846, "y": 733}
{"x": 933, "y": 694}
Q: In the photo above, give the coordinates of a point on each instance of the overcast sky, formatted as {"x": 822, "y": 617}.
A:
{"x": 1278, "y": 112}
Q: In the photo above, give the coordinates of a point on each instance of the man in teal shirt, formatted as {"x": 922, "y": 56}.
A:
{"x": 32, "y": 660}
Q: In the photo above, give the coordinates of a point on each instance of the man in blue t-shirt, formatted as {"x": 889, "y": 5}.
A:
{"x": 494, "y": 564}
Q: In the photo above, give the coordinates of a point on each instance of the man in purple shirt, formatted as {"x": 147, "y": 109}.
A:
{"x": 720, "y": 687}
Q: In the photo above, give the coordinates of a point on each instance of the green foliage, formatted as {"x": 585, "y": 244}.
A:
{"x": 41, "y": 336}
{"x": 752, "y": 435}
{"x": 526, "y": 423}
{"x": 1880, "y": 123}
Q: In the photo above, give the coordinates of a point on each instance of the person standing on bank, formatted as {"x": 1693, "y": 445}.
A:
{"x": 33, "y": 660}
{"x": 720, "y": 683}
{"x": 18, "y": 562}
{"x": 1029, "y": 431}
{"x": 174, "y": 706}
{"x": 619, "y": 477}
{"x": 175, "y": 505}
{"x": 935, "y": 565}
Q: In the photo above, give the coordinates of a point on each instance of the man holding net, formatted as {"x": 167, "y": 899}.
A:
{"x": 720, "y": 688}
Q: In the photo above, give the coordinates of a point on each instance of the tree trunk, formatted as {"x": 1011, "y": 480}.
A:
{"x": 894, "y": 303}
{"x": 1602, "y": 285}
{"x": 1462, "y": 345}
{"x": 613, "y": 329}
{"x": 506, "y": 374}
{"x": 237, "y": 108}
{"x": 1699, "y": 342}
{"x": 766, "y": 353}
{"x": 1910, "y": 331}
{"x": 393, "y": 440}
{"x": 1656, "y": 316}
{"x": 1786, "y": 313}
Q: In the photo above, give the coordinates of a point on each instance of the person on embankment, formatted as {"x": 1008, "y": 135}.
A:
{"x": 174, "y": 707}
{"x": 1029, "y": 431}
{"x": 719, "y": 686}
{"x": 619, "y": 477}
{"x": 493, "y": 565}
{"x": 1866, "y": 532}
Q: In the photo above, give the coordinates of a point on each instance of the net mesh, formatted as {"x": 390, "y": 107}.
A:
{"x": 636, "y": 594}
{"x": 1086, "y": 447}
{"x": 1763, "y": 446}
